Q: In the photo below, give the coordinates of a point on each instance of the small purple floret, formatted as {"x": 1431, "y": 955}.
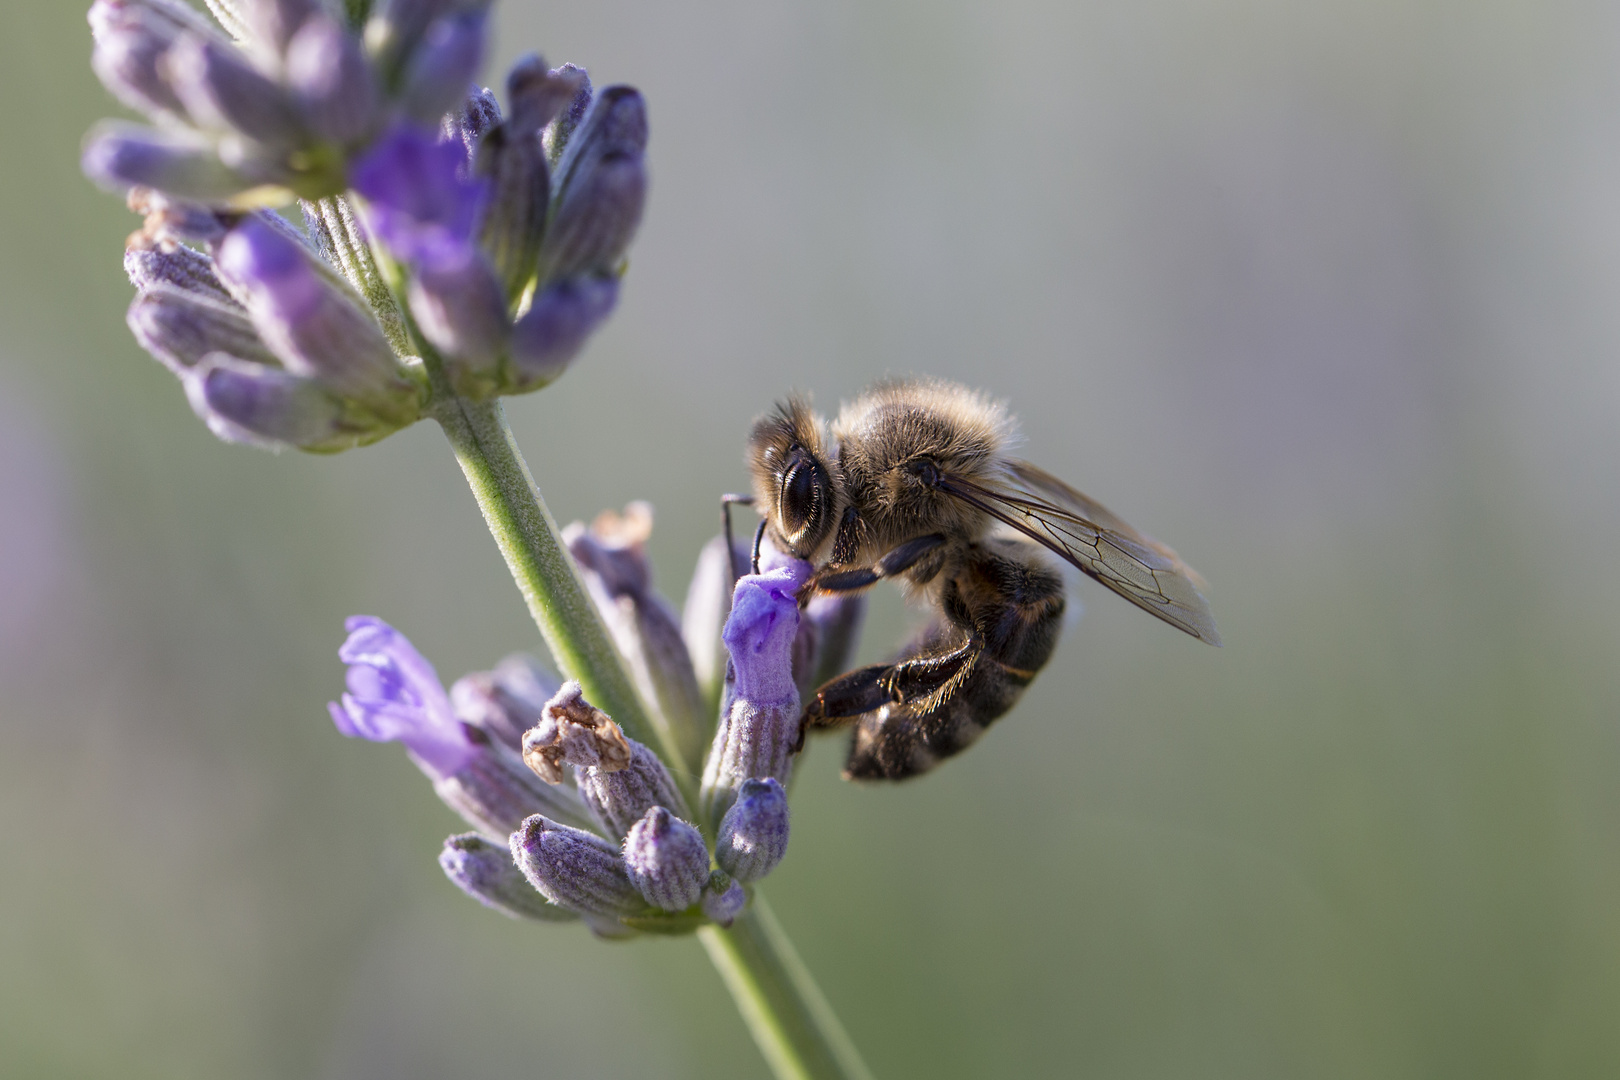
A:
{"x": 418, "y": 204}
{"x": 394, "y": 693}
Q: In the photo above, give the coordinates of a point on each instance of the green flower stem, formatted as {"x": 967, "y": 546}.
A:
{"x": 790, "y": 1020}
{"x": 545, "y": 574}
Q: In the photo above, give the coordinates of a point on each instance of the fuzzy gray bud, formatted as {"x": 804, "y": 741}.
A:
{"x": 460, "y": 308}
{"x": 119, "y": 156}
{"x": 332, "y": 80}
{"x": 618, "y": 799}
{"x": 723, "y": 899}
{"x": 252, "y": 403}
{"x": 600, "y": 189}
{"x": 223, "y": 91}
{"x": 753, "y": 836}
{"x": 441, "y": 69}
{"x": 666, "y": 860}
{"x": 613, "y": 558}
{"x": 181, "y": 327}
{"x": 484, "y": 870}
{"x": 574, "y": 868}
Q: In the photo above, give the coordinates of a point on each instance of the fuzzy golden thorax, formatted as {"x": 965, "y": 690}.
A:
{"x": 882, "y": 437}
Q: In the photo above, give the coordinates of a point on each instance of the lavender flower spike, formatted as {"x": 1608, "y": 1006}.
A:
{"x": 667, "y": 860}
{"x": 759, "y": 719}
{"x": 574, "y": 868}
{"x": 753, "y": 835}
{"x": 395, "y": 695}
{"x": 484, "y": 870}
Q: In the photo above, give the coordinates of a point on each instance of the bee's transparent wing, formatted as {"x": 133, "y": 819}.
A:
{"x": 1089, "y": 535}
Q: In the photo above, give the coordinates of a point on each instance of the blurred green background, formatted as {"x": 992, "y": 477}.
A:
{"x": 1323, "y": 294}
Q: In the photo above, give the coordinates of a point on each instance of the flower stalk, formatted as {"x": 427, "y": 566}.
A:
{"x": 786, "y": 1013}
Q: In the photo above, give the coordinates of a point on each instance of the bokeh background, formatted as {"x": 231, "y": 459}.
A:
{"x": 1322, "y": 293}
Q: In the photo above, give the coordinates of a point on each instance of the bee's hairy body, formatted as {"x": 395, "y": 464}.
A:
{"x": 905, "y": 484}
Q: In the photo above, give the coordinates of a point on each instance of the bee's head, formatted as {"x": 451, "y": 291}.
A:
{"x": 796, "y": 484}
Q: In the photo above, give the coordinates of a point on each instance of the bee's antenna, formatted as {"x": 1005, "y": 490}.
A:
{"x": 759, "y": 535}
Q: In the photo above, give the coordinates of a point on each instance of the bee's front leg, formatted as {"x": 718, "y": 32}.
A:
{"x": 896, "y": 561}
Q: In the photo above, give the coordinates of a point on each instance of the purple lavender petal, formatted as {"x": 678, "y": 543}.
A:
{"x": 555, "y": 327}
{"x": 760, "y": 631}
{"x": 418, "y": 203}
{"x": 394, "y": 694}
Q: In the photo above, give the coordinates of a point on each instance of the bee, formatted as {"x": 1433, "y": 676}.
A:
{"x": 913, "y": 481}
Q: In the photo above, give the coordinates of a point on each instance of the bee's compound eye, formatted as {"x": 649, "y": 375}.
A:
{"x": 803, "y": 495}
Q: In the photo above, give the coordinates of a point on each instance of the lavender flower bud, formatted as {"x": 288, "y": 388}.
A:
{"x": 184, "y": 269}
{"x": 572, "y": 731}
{"x": 618, "y": 798}
{"x": 753, "y": 835}
{"x": 222, "y": 90}
{"x": 551, "y": 333}
{"x": 394, "y": 694}
{"x": 461, "y": 310}
{"x": 667, "y": 860}
{"x": 468, "y": 126}
{"x": 442, "y": 67}
{"x": 723, "y": 899}
{"x": 612, "y": 556}
{"x": 495, "y": 791}
{"x": 601, "y": 186}
{"x": 332, "y": 80}
{"x": 180, "y": 327}
{"x": 118, "y": 156}
{"x": 485, "y": 871}
{"x": 561, "y": 129}
{"x": 759, "y": 719}
{"x": 246, "y": 402}
{"x": 131, "y": 37}
{"x": 312, "y": 320}
{"x": 574, "y": 868}
{"x": 513, "y": 156}
{"x": 396, "y": 29}
{"x": 507, "y": 701}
